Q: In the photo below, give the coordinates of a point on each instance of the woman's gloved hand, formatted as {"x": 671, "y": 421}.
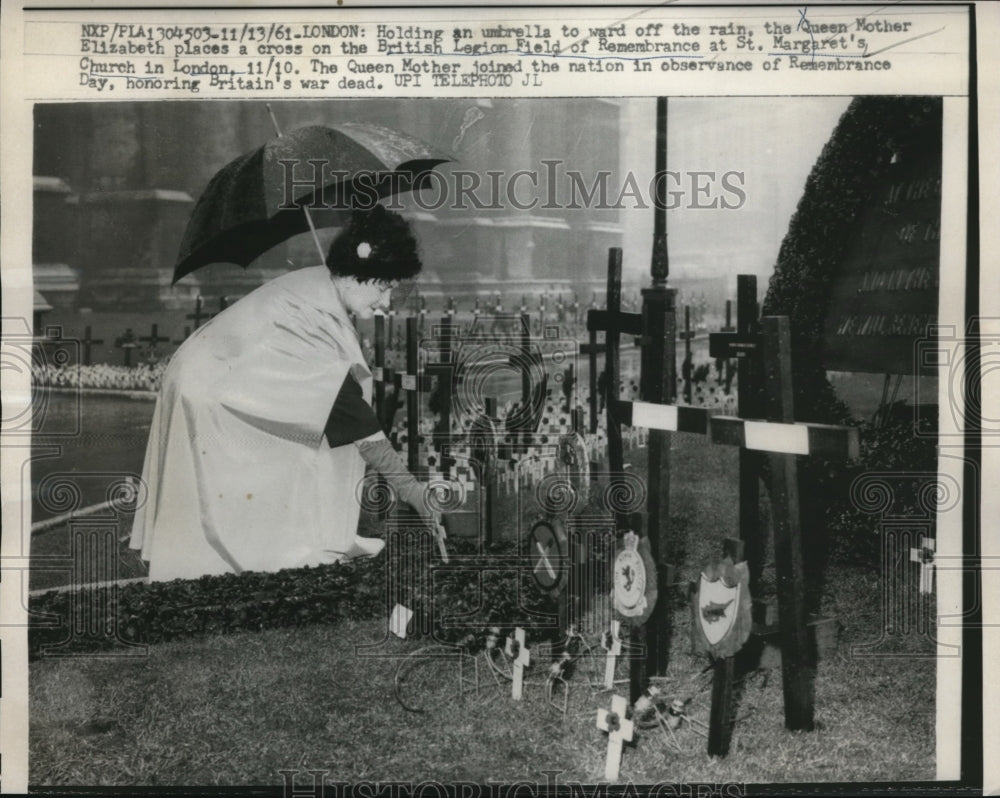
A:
{"x": 379, "y": 454}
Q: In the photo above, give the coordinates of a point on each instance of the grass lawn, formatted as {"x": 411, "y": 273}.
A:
{"x": 238, "y": 709}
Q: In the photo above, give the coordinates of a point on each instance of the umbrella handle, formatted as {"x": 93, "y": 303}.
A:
{"x": 305, "y": 210}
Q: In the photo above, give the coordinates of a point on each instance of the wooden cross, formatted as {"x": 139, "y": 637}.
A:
{"x": 925, "y": 556}
{"x": 797, "y": 661}
{"x": 443, "y": 371}
{"x": 592, "y": 349}
{"x": 223, "y": 303}
{"x": 88, "y": 342}
{"x": 517, "y": 650}
{"x": 184, "y": 337}
{"x": 613, "y": 645}
{"x": 619, "y": 730}
{"x": 127, "y": 343}
{"x": 781, "y": 439}
{"x": 655, "y": 327}
{"x": 154, "y": 337}
{"x": 612, "y": 321}
{"x": 198, "y": 316}
{"x": 412, "y": 383}
{"x": 723, "y": 365}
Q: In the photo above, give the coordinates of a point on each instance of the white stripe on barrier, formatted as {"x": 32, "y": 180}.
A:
{"x": 654, "y": 416}
{"x": 781, "y": 438}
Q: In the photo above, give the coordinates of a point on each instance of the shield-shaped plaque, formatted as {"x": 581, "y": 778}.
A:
{"x": 722, "y": 608}
{"x": 634, "y": 593}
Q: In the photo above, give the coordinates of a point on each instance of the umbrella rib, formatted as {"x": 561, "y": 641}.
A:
{"x": 305, "y": 208}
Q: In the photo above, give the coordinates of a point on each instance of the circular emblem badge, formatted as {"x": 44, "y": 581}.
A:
{"x": 548, "y": 550}
{"x": 634, "y": 592}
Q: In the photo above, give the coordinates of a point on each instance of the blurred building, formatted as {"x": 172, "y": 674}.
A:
{"x": 117, "y": 182}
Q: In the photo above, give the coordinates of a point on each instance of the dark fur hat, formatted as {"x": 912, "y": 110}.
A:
{"x": 375, "y": 245}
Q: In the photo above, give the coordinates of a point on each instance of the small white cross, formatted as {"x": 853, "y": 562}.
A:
{"x": 925, "y": 556}
{"x": 522, "y": 658}
{"x": 399, "y": 619}
{"x": 614, "y": 648}
{"x": 619, "y": 729}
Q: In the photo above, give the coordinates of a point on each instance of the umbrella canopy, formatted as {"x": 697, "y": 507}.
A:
{"x": 255, "y": 202}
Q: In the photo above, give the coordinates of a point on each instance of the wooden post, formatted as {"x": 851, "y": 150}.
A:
{"x": 592, "y": 379}
{"x": 379, "y": 387}
{"x": 442, "y": 373}
{"x": 569, "y": 379}
{"x": 444, "y": 387}
{"x": 525, "y": 354}
{"x": 722, "y": 714}
{"x": 381, "y": 374}
{"x": 489, "y": 479}
{"x": 657, "y": 383}
{"x": 612, "y": 367}
{"x": 412, "y": 397}
{"x": 797, "y": 667}
{"x": 751, "y": 541}
{"x": 688, "y": 365}
{"x": 749, "y": 406}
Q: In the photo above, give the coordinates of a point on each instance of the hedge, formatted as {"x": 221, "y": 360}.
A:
{"x": 140, "y": 613}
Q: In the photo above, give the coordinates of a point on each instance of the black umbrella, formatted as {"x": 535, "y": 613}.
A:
{"x": 255, "y": 202}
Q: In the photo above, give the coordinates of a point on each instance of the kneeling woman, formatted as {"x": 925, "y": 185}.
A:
{"x": 264, "y": 426}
